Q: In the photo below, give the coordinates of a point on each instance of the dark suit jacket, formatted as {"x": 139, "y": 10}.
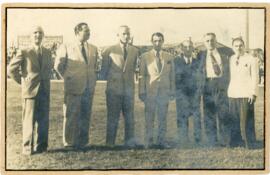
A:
{"x": 224, "y": 80}
{"x": 186, "y": 77}
{"x": 119, "y": 73}
{"x": 25, "y": 69}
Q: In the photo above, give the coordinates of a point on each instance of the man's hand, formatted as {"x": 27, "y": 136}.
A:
{"x": 142, "y": 96}
{"x": 251, "y": 99}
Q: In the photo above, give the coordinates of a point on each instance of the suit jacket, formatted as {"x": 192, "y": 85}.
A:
{"x": 186, "y": 77}
{"x": 70, "y": 64}
{"x": 224, "y": 79}
{"x": 118, "y": 72}
{"x": 26, "y": 70}
{"x": 154, "y": 83}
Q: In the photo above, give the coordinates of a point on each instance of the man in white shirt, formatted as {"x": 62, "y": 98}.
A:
{"x": 213, "y": 86}
{"x": 242, "y": 95}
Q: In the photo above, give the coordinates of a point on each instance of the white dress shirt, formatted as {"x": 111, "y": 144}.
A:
{"x": 188, "y": 60}
{"x": 244, "y": 76}
{"x": 210, "y": 73}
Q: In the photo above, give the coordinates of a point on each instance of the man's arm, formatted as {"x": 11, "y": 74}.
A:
{"x": 255, "y": 79}
{"x": 172, "y": 78}
{"x": 14, "y": 66}
{"x": 142, "y": 79}
{"x": 105, "y": 64}
{"x": 61, "y": 60}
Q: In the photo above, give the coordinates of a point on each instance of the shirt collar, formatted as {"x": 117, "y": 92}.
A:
{"x": 80, "y": 43}
{"x": 38, "y": 47}
{"x": 155, "y": 52}
{"x": 122, "y": 45}
{"x": 214, "y": 51}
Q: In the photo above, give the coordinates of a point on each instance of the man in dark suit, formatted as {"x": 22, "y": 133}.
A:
{"x": 35, "y": 65}
{"x": 187, "y": 96}
{"x": 118, "y": 68}
{"x": 214, "y": 82}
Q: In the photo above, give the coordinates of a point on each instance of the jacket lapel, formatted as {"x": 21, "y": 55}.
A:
{"x": 77, "y": 50}
{"x": 34, "y": 58}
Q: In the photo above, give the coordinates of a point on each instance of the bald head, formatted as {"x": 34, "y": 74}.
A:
{"x": 187, "y": 47}
{"x": 123, "y": 34}
{"x": 37, "y": 35}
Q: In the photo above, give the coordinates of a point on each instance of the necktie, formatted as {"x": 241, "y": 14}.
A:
{"x": 84, "y": 54}
{"x": 215, "y": 64}
{"x": 125, "y": 52}
{"x": 158, "y": 61}
{"x": 39, "y": 55}
{"x": 237, "y": 61}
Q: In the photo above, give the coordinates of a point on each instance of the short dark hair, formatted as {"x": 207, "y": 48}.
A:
{"x": 158, "y": 34}
{"x": 210, "y": 34}
{"x": 78, "y": 27}
{"x": 238, "y": 39}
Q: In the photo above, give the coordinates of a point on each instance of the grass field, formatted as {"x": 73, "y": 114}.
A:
{"x": 97, "y": 156}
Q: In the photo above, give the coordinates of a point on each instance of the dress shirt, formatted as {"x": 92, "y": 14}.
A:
{"x": 210, "y": 73}
{"x": 188, "y": 60}
{"x": 244, "y": 76}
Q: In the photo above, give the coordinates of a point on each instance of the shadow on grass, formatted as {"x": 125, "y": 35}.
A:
{"x": 97, "y": 148}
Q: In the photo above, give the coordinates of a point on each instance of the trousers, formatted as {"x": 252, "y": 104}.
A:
{"x": 35, "y": 121}
{"x": 77, "y": 113}
{"x": 115, "y": 104}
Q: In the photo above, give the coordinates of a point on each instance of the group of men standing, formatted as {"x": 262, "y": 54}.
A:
{"x": 162, "y": 77}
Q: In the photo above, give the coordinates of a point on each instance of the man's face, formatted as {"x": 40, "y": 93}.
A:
{"x": 238, "y": 47}
{"x": 124, "y": 35}
{"x": 37, "y": 36}
{"x": 157, "y": 42}
{"x": 84, "y": 34}
{"x": 210, "y": 42}
{"x": 187, "y": 48}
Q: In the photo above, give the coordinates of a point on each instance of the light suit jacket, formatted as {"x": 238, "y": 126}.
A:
{"x": 26, "y": 70}
{"x": 154, "y": 83}
{"x": 119, "y": 73}
{"x": 70, "y": 64}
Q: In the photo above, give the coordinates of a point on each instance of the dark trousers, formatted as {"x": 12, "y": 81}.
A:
{"x": 215, "y": 111}
{"x": 185, "y": 107}
{"x": 155, "y": 106}
{"x": 242, "y": 122}
{"x": 35, "y": 122}
{"x": 77, "y": 114}
{"x": 115, "y": 104}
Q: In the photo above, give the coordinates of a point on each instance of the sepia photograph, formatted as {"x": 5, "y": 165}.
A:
{"x": 134, "y": 87}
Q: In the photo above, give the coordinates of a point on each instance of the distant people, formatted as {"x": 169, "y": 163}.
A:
{"x": 118, "y": 68}
{"x": 31, "y": 68}
{"x": 213, "y": 85}
{"x": 242, "y": 94}
{"x": 187, "y": 96}
{"x": 76, "y": 65}
{"x": 156, "y": 89}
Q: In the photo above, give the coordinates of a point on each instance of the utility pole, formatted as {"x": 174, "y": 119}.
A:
{"x": 247, "y": 29}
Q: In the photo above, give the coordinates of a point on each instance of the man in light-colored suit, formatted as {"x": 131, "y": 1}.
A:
{"x": 156, "y": 88}
{"x": 118, "y": 68}
{"x": 35, "y": 65}
{"x": 76, "y": 64}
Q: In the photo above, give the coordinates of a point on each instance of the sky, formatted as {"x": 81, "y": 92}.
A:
{"x": 175, "y": 24}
